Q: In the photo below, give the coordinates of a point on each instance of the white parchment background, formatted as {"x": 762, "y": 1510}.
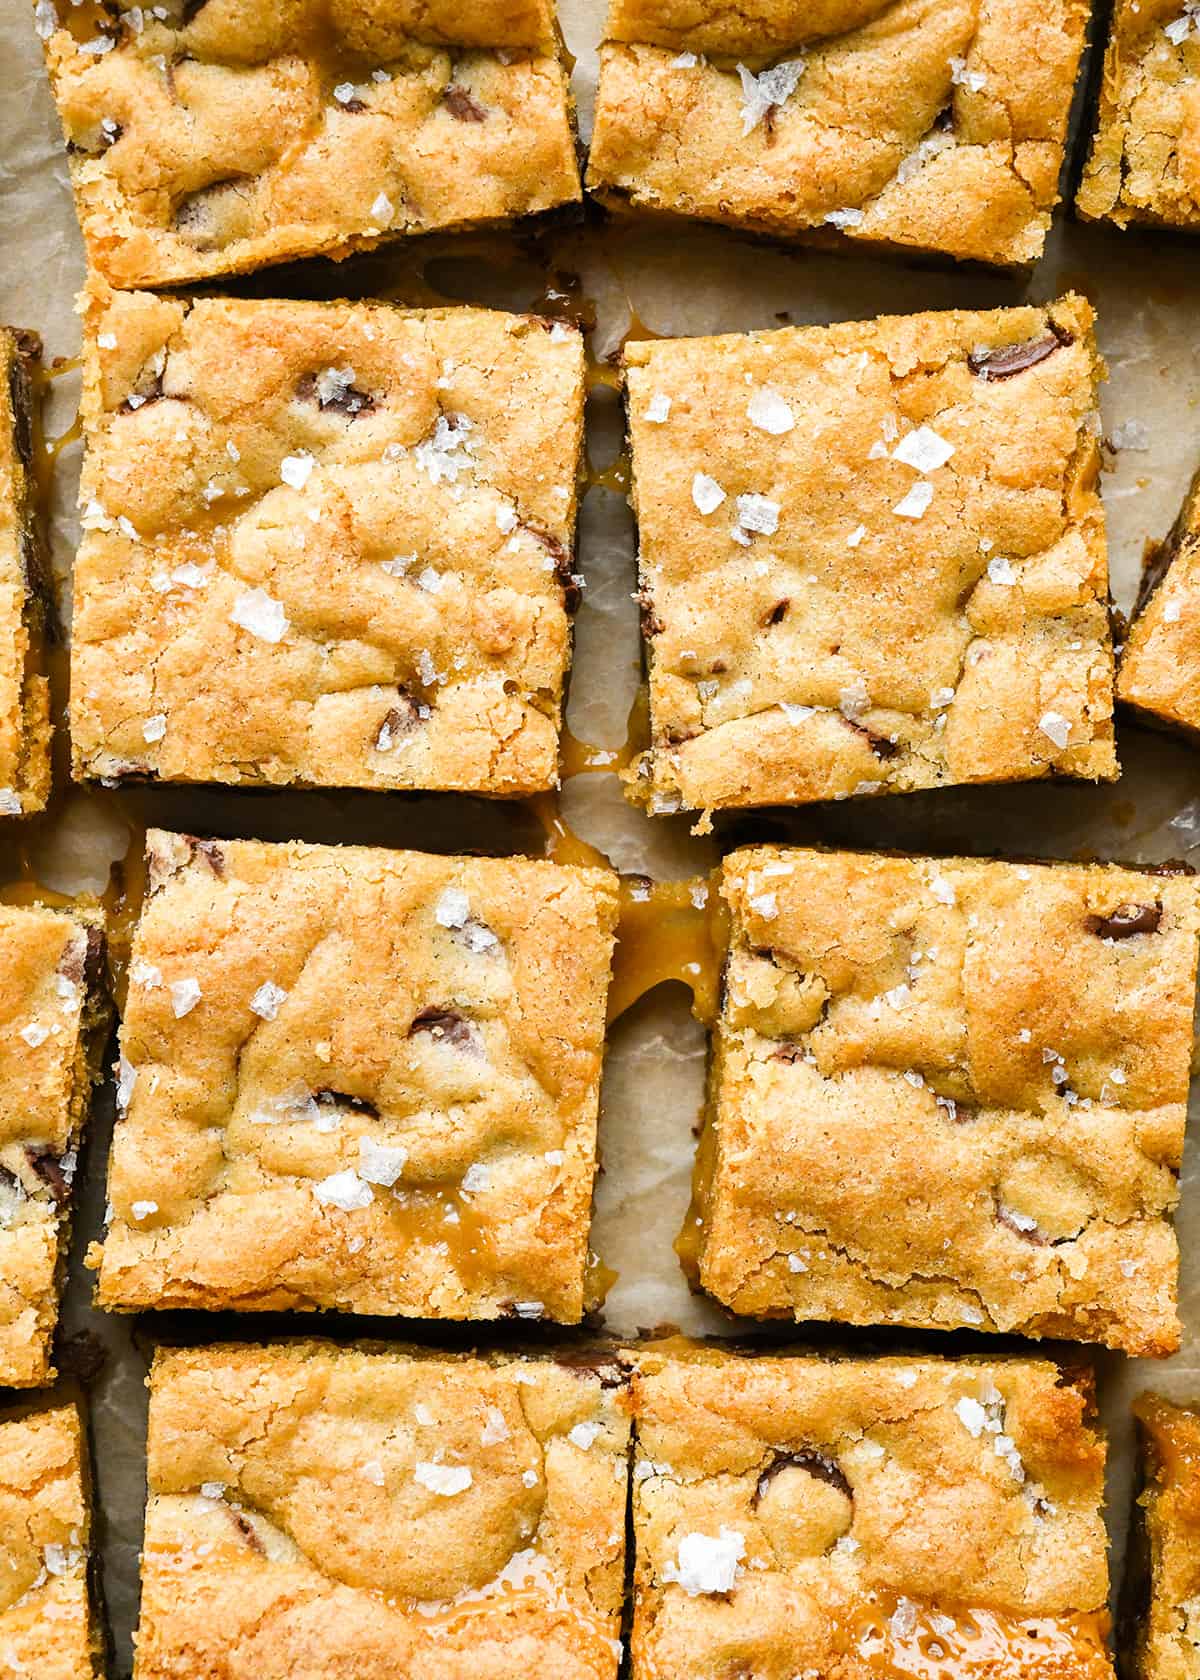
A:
{"x": 687, "y": 281}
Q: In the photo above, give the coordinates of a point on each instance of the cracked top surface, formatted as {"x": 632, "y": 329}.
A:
{"x": 45, "y": 958}
{"x": 865, "y": 1518}
{"x": 951, "y": 1093}
{"x": 1164, "y": 1578}
{"x": 24, "y": 720}
{"x": 1160, "y": 666}
{"x": 359, "y": 1079}
{"x": 356, "y": 1515}
{"x": 212, "y": 138}
{"x": 1145, "y": 159}
{"x": 44, "y": 1525}
{"x": 872, "y": 557}
{"x": 325, "y": 544}
{"x": 937, "y": 125}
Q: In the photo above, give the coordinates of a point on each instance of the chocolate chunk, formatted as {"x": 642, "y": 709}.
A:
{"x": 1126, "y": 920}
{"x": 20, "y": 392}
{"x": 202, "y": 218}
{"x": 563, "y": 566}
{"x": 1022, "y": 1228}
{"x": 190, "y": 10}
{"x": 341, "y": 1099}
{"x": 652, "y": 624}
{"x": 817, "y": 1464}
{"x": 12, "y": 1194}
{"x": 246, "y": 1529}
{"x": 400, "y": 719}
{"x": 331, "y": 392}
{"x": 1007, "y": 360}
{"x": 146, "y": 388}
{"x": 210, "y": 851}
{"x": 460, "y": 104}
{"x": 777, "y": 613}
{"x": 446, "y": 1025}
{"x": 787, "y": 1050}
{"x": 47, "y": 1165}
{"x": 881, "y": 745}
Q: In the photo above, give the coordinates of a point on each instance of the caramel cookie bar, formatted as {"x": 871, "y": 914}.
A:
{"x": 1159, "y": 672}
{"x": 337, "y": 1511}
{"x": 947, "y": 1092}
{"x": 359, "y": 1079}
{"x": 1145, "y": 158}
{"x": 1161, "y": 1595}
{"x": 911, "y": 125}
{"x": 865, "y": 1517}
{"x": 210, "y": 137}
{"x": 325, "y": 544}
{"x": 872, "y": 557}
{"x": 47, "y": 1629}
{"x": 53, "y": 1021}
{"x": 24, "y": 587}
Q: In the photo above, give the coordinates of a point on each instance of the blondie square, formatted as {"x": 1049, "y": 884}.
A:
{"x": 913, "y": 125}
{"x": 948, "y": 1092}
{"x": 210, "y": 137}
{"x": 325, "y": 544}
{"x": 872, "y": 557}
{"x": 1161, "y": 1595}
{"x": 1159, "y": 672}
{"x": 1145, "y": 159}
{"x": 864, "y": 1517}
{"x": 24, "y": 691}
{"x": 334, "y": 1511}
{"x": 52, "y": 1024}
{"x": 359, "y": 1079}
{"x": 47, "y": 1631}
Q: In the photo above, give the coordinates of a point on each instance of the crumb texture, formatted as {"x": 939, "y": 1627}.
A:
{"x": 950, "y": 1093}
{"x": 1145, "y": 159}
{"x": 211, "y": 138}
{"x": 350, "y": 1515}
{"x": 929, "y": 125}
{"x": 872, "y": 557}
{"x": 359, "y": 1079}
{"x": 793, "y": 1516}
{"x": 325, "y": 544}
{"x": 1163, "y": 1573}
{"x": 1159, "y": 673}
{"x": 24, "y": 691}
{"x": 46, "y": 964}
{"x": 45, "y": 1625}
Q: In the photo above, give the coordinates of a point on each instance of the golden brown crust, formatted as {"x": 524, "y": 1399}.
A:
{"x": 322, "y": 1513}
{"x": 215, "y": 138}
{"x": 1162, "y": 1585}
{"x": 46, "y": 1627}
{"x": 861, "y": 1518}
{"x": 950, "y": 1092}
{"x": 1145, "y": 159}
{"x": 1159, "y": 673}
{"x": 930, "y": 125}
{"x": 359, "y": 1079}
{"x": 920, "y": 596}
{"x": 24, "y": 691}
{"x": 51, "y": 1024}
{"x": 325, "y": 544}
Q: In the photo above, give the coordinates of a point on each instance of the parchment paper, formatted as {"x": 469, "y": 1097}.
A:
{"x": 687, "y": 280}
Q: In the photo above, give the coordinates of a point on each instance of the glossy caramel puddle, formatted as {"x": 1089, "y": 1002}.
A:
{"x": 901, "y": 1640}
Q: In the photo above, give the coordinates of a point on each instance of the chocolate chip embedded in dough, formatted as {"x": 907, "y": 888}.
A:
{"x": 47, "y": 1165}
{"x": 462, "y": 106}
{"x": 327, "y": 1098}
{"x": 809, "y": 1459}
{"x": 1126, "y": 920}
{"x": 446, "y": 1025}
{"x": 1008, "y": 360}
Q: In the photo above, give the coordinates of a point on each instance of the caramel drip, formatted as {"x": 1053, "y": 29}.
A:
{"x": 598, "y": 1279}
{"x": 421, "y": 1215}
{"x": 669, "y": 930}
{"x": 900, "y": 1640}
{"x": 562, "y": 844}
{"x": 617, "y": 476}
{"x": 581, "y": 758}
{"x": 122, "y": 900}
